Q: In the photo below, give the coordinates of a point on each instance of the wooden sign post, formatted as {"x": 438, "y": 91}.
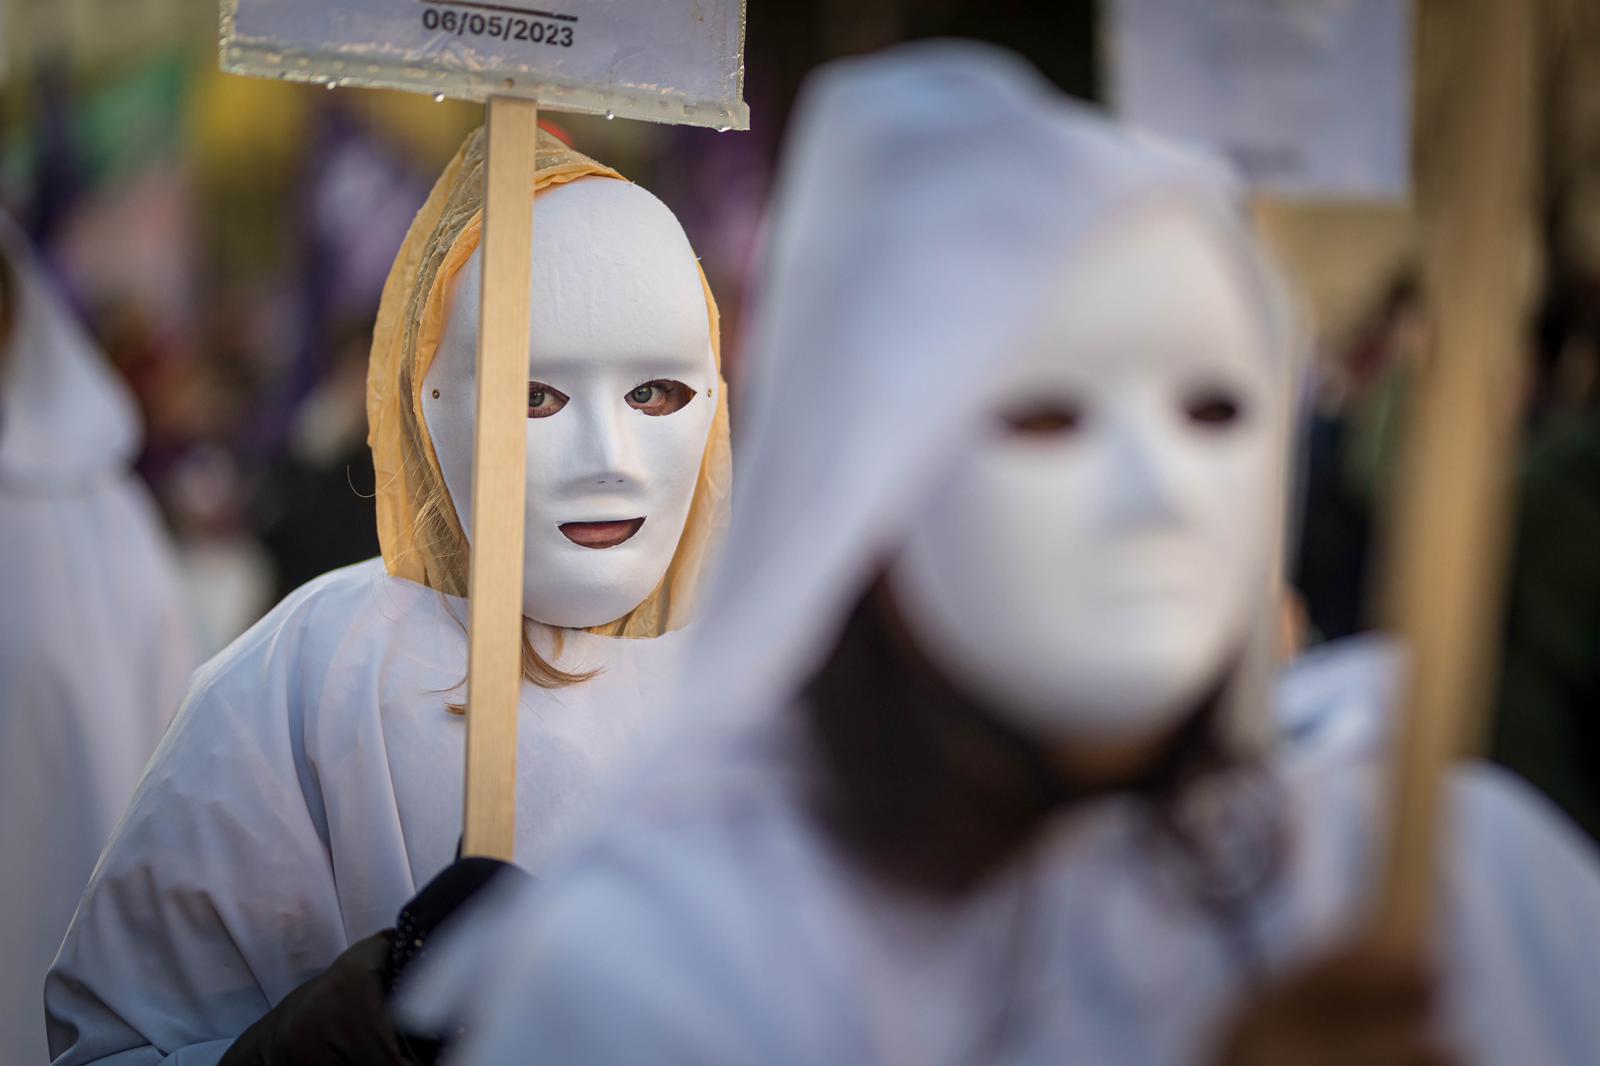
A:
{"x": 499, "y": 482}
{"x": 662, "y": 60}
{"x": 1447, "y": 542}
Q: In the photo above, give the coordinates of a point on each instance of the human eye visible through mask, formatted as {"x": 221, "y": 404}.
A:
{"x": 544, "y": 401}
{"x": 1213, "y": 408}
{"x": 660, "y": 397}
{"x": 1054, "y": 419}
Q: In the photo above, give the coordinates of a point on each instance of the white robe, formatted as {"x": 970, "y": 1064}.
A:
{"x": 311, "y": 783}
{"x": 730, "y": 932}
{"x": 94, "y": 645}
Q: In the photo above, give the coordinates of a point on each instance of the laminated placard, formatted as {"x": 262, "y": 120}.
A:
{"x": 677, "y": 61}
{"x": 1307, "y": 98}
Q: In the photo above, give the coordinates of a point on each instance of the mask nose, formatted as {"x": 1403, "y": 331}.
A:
{"x": 603, "y": 455}
{"x": 1142, "y": 479}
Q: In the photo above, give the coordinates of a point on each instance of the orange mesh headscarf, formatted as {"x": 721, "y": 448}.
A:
{"x": 418, "y": 529}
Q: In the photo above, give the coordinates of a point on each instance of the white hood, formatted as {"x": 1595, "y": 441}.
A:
{"x": 931, "y": 200}
{"x": 65, "y": 418}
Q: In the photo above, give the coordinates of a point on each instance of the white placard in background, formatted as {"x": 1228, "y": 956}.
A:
{"x": 663, "y": 60}
{"x": 1307, "y": 98}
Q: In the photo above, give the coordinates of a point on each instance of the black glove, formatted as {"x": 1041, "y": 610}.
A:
{"x": 423, "y": 916}
{"x": 342, "y": 1015}
{"x": 339, "y": 1016}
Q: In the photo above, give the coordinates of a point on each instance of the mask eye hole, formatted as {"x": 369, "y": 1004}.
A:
{"x": 659, "y": 397}
{"x": 1057, "y": 419}
{"x": 1213, "y": 409}
{"x": 544, "y": 401}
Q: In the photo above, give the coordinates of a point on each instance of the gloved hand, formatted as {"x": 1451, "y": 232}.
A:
{"x": 419, "y": 919}
{"x": 439, "y": 899}
{"x": 342, "y": 1015}
{"x": 1355, "y": 1009}
{"x": 339, "y": 1016}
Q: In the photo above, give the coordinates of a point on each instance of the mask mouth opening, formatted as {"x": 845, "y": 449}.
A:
{"x": 601, "y": 535}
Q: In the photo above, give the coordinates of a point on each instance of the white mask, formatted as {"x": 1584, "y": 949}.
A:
{"x": 1089, "y": 576}
{"x": 621, "y": 382}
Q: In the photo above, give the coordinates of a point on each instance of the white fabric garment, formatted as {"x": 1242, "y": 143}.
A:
{"x": 310, "y": 785}
{"x": 732, "y": 934}
{"x": 930, "y": 196}
{"x": 94, "y": 646}
{"x": 67, "y": 420}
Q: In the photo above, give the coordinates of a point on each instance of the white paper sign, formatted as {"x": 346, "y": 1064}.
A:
{"x": 663, "y": 60}
{"x": 1307, "y": 98}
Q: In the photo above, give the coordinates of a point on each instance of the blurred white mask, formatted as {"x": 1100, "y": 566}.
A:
{"x": 1092, "y": 566}
{"x": 621, "y": 379}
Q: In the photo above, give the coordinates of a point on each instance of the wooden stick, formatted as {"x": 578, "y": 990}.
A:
{"x": 1449, "y": 525}
{"x": 494, "y": 669}
{"x": 1268, "y": 216}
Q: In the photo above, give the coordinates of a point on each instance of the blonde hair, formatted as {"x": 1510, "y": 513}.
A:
{"x": 418, "y": 527}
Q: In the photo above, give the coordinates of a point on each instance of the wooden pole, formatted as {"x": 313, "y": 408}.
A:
{"x": 494, "y": 665}
{"x": 1447, "y": 538}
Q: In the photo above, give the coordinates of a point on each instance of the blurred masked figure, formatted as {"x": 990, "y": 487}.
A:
{"x": 94, "y": 646}
{"x": 974, "y": 762}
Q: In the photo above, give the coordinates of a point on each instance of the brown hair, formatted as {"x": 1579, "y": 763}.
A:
{"x": 927, "y": 788}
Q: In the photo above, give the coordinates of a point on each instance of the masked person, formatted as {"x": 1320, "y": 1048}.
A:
{"x": 982, "y": 777}
{"x": 95, "y": 647}
{"x": 312, "y": 780}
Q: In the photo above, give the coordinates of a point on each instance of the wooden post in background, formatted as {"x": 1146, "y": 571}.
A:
{"x": 1446, "y": 541}
{"x": 494, "y": 669}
